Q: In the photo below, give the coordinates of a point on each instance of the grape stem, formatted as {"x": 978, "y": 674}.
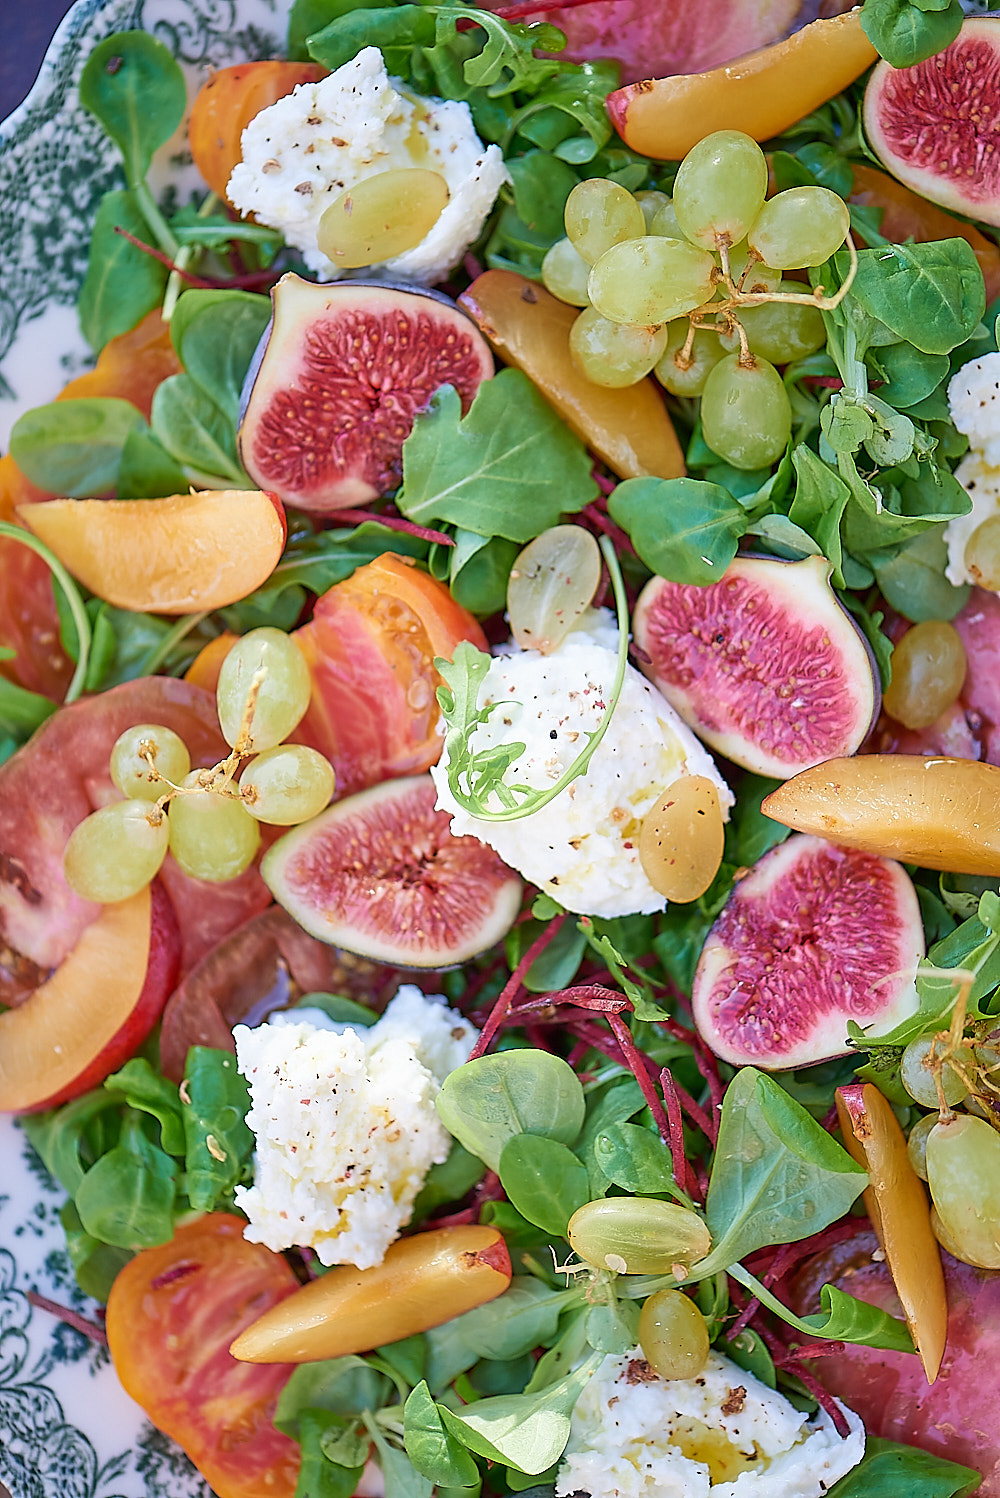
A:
{"x": 73, "y": 598}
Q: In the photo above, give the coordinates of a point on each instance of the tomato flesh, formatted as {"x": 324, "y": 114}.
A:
{"x": 172, "y": 1314}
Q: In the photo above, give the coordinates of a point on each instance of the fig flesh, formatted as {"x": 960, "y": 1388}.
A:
{"x": 341, "y": 373}
{"x": 765, "y": 665}
{"x": 933, "y": 126}
{"x": 813, "y": 937}
{"x": 380, "y": 874}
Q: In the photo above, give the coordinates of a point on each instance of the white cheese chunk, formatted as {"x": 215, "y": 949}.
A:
{"x": 583, "y": 847}
{"x": 981, "y": 483}
{"x": 721, "y": 1435}
{"x": 345, "y": 1125}
{"x": 974, "y": 402}
{"x": 301, "y": 153}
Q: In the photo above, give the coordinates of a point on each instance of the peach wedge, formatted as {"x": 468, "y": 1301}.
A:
{"x": 180, "y": 555}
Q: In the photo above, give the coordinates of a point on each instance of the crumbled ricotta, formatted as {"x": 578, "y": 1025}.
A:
{"x": 981, "y": 483}
{"x": 582, "y": 848}
{"x": 974, "y": 402}
{"x": 345, "y": 1125}
{"x": 300, "y": 153}
{"x": 721, "y": 1435}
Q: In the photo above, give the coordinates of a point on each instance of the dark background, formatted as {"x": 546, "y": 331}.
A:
{"x": 27, "y": 30}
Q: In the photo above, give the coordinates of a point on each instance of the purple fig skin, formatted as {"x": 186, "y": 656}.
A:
{"x": 380, "y": 874}
{"x": 812, "y": 937}
{"x": 766, "y": 665}
{"x": 337, "y": 380}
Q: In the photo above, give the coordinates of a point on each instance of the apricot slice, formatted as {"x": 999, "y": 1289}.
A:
{"x": 897, "y": 1205}
{"x": 762, "y": 93}
{"x": 227, "y": 102}
{"x": 937, "y": 812}
{"x": 93, "y": 996}
{"x": 180, "y": 555}
{"x": 629, "y": 429}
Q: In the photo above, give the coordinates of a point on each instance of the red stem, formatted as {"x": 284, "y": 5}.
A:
{"x": 394, "y": 523}
{"x": 667, "y": 1121}
{"x": 72, "y": 1318}
{"x": 513, "y": 986}
{"x": 185, "y": 275}
{"x": 603, "y": 483}
{"x": 607, "y": 527}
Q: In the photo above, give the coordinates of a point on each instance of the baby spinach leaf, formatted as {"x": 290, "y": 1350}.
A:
{"x": 614, "y": 1326}
{"x": 886, "y": 1470}
{"x": 95, "y": 1264}
{"x": 21, "y": 711}
{"x": 749, "y": 1350}
{"x": 777, "y": 1175}
{"x": 908, "y": 374}
{"x": 399, "y": 1476}
{"x": 146, "y": 470}
{"x": 447, "y": 1182}
{"x": 906, "y": 32}
{"x": 912, "y": 580}
{"x": 479, "y": 572}
{"x": 528, "y": 1431}
{"x": 218, "y": 1142}
{"x": 197, "y": 433}
{"x": 524, "y": 1317}
{"x": 74, "y": 448}
{"x": 122, "y": 283}
{"x": 490, "y": 1100}
{"x": 127, "y": 1196}
{"x": 151, "y": 1093}
{"x": 69, "y": 1139}
{"x": 431, "y": 1447}
{"x": 842, "y": 1319}
{"x": 542, "y": 183}
{"x": 543, "y": 1180}
{"x": 615, "y": 1104}
{"x": 341, "y": 1386}
{"x": 684, "y": 529}
{"x": 319, "y": 1477}
{"x": 135, "y": 87}
{"x": 395, "y": 30}
{"x": 509, "y": 468}
{"x": 930, "y": 295}
{"x": 215, "y": 334}
{"x": 634, "y": 1159}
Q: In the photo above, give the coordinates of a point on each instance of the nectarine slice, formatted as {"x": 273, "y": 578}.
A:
{"x": 900, "y": 1214}
{"x": 761, "y": 94}
{"x": 528, "y": 327}
{"x": 179, "y": 555}
{"x": 51, "y": 1039}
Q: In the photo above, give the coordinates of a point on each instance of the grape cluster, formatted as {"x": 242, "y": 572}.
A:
{"x": 208, "y": 819}
{"x": 692, "y": 288}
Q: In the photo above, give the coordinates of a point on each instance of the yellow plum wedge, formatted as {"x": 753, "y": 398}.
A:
{"x": 936, "y": 812}
{"x": 180, "y": 555}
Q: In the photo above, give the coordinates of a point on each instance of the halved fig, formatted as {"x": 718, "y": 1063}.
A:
{"x": 380, "y": 874}
{"x": 813, "y": 937}
{"x": 341, "y": 373}
{"x": 933, "y": 125}
{"x": 936, "y": 812}
{"x": 765, "y": 665}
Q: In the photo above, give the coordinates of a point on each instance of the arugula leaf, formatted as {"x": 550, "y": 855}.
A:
{"x": 74, "y": 448}
{"x": 490, "y": 1100}
{"x": 135, "y": 87}
{"x": 543, "y": 1180}
{"x": 906, "y": 32}
{"x": 684, "y": 529}
{"x": 122, "y": 282}
{"x": 509, "y": 468}
{"x": 887, "y": 1469}
{"x": 777, "y": 1175}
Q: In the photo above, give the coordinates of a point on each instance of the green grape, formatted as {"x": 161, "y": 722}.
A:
{"x": 799, "y": 227}
{"x": 287, "y": 785}
{"x": 746, "y": 416}
{"x": 782, "y": 331}
{"x": 599, "y": 214}
{"x": 673, "y": 1335}
{"x": 613, "y": 353}
{"x": 552, "y": 582}
{"x": 565, "y": 273}
{"x": 651, "y": 280}
{"x": 212, "y": 835}
{"x": 758, "y": 277}
{"x": 269, "y": 662}
{"x": 133, "y": 775}
{"x": 637, "y": 1235}
{"x": 665, "y": 223}
{"x": 963, "y": 1172}
{"x": 719, "y": 188}
{"x": 116, "y": 851}
{"x": 706, "y": 351}
{"x": 919, "y": 1080}
{"x": 651, "y": 201}
{"x": 916, "y": 1145}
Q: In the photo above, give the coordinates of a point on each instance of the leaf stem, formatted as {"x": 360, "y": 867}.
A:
{"x": 158, "y": 225}
{"x": 156, "y": 657}
{"x": 73, "y": 597}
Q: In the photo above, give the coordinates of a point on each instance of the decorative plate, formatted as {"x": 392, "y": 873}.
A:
{"x": 67, "y": 1429}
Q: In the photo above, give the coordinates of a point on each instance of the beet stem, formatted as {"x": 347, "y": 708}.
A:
{"x": 394, "y": 523}
{"x": 185, "y": 275}
{"x": 79, "y": 1323}
{"x": 513, "y": 986}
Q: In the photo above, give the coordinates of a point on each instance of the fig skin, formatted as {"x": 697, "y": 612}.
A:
{"x": 936, "y": 812}
{"x": 337, "y": 380}
{"x": 737, "y": 657}
{"x": 953, "y": 164}
{"x": 812, "y": 937}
